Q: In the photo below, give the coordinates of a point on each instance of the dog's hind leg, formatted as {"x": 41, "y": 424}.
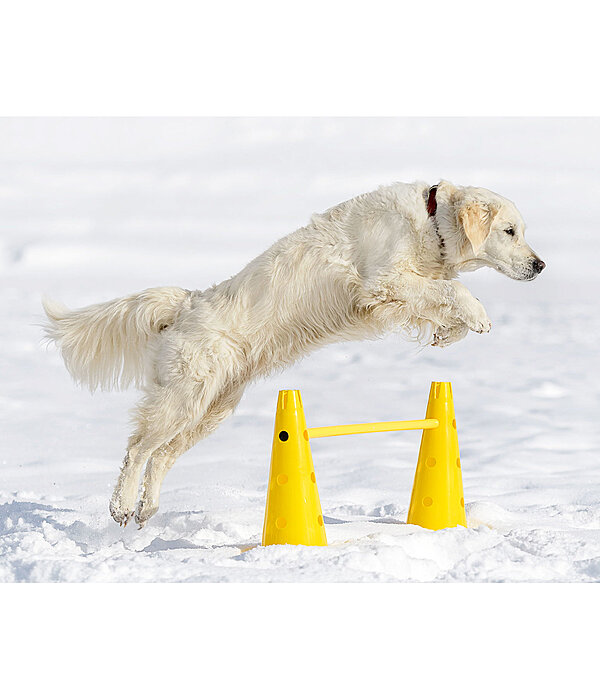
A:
{"x": 123, "y": 499}
{"x": 163, "y": 414}
{"x": 164, "y": 457}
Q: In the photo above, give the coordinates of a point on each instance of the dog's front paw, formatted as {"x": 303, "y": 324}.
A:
{"x": 481, "y": 325}
{"x": 143, "y": 512}
{"x": 120, "y": 514}
{"x": 475, "y": 317}
{"x": 446, "y": 336}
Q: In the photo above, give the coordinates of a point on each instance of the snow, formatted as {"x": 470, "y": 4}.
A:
{"x": 93, "y": 209}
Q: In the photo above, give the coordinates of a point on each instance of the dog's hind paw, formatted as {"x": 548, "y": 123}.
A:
{"x": 120, "y": 515}
{"x": 143, "y": 513}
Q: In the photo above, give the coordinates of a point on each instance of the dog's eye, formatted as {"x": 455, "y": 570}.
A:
{"x": 510, "y": 231}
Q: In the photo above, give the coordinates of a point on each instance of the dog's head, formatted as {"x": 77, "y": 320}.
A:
{"x": 492, "y": 232}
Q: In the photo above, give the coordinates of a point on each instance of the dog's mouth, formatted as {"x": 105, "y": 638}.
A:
{"x": 534, "y": 268}
{"x": 522, "y": 273}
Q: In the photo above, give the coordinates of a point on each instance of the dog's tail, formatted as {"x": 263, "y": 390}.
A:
{"x": 107, "y": 346}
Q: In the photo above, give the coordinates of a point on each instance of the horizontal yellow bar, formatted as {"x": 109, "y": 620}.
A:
{"x": 332, "y": 430}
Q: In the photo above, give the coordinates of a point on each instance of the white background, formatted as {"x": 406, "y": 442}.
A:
{"x": 514, "y": 59}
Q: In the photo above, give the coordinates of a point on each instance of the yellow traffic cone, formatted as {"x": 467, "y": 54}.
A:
{"x": 293, "y": 513}
{"x": 437, "y": 499}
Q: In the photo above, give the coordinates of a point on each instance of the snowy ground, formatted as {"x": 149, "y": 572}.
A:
{"x": 92, "y": 209}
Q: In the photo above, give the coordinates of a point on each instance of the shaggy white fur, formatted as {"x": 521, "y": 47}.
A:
{"x": 378, "y": 262}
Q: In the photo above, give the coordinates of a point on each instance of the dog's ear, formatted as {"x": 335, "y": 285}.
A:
{"x": 476, "y": 221}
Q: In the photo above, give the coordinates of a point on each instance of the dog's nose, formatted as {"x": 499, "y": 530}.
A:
{"x": 538, "y": 265}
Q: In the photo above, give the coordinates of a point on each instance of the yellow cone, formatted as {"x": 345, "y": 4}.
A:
{"x": 293, "y": 513}
{"x": 437, "y": 499}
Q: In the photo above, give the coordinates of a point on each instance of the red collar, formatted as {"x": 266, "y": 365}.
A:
{"x": 432, "y": 201}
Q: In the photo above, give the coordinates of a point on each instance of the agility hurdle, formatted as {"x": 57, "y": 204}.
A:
{"x": 293, "y": 511}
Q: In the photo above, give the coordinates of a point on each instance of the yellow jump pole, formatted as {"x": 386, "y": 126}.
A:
{"x": 357, "y": 428}
{"x": 293, "y": 511}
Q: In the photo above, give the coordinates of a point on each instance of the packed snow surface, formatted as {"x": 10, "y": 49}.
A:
{"x": 94, "y": 209}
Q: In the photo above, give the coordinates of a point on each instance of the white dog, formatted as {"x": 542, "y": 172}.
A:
{"x": 381, "y": 261}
